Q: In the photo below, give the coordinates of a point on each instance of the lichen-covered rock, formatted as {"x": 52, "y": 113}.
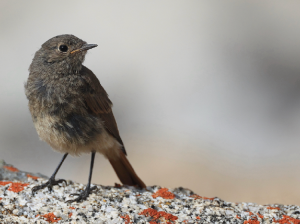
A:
{"x": 9, "y": 172}
{"x": 123, "y": 204}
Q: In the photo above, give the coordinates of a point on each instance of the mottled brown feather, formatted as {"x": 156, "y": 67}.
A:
{"x": 97, "y": 99}
{"x": 98, "y": 102}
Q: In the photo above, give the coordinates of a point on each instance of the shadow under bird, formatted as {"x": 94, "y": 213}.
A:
{"x": 71, "y": 111}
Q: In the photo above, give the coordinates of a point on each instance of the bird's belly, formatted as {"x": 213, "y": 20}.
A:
{"x": 75, "y": 134}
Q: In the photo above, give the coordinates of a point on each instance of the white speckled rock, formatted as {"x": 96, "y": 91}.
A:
{"x": 111, "y": 205}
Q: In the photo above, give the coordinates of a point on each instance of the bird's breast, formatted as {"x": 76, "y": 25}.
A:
{"x": 59, "y": 111}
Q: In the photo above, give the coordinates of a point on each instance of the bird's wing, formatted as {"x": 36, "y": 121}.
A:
{"x": 98, "y": 102}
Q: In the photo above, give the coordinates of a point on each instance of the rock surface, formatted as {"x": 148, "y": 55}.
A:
{"x": 123, "y": 204}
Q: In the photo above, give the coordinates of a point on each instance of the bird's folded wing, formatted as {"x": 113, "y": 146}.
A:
{"x": 99, "y": 104}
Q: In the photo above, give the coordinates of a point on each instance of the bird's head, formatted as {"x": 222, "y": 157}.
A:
{"x": 64, "y": 52}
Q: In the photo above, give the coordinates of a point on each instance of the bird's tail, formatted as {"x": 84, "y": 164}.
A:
{"x": 125, "y": 171}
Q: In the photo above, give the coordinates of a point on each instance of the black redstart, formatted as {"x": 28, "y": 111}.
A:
{"x": 71, "y": 111}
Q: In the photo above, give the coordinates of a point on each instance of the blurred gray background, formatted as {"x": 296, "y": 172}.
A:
{"x": 206, "y": 93}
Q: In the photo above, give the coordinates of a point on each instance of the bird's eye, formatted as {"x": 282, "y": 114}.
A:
{"x": 63, "y": 48}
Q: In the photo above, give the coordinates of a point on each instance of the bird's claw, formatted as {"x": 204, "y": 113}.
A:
{"x": 50, "y": 183}
{"x": 82, "y": 196}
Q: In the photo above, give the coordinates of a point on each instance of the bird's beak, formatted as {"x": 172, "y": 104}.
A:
{"x": 85, "y": 48}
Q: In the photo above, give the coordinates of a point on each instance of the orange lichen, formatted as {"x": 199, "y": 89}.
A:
{"x": 71, "y": 207}
{"x": 33, "y": 177}
{"x": 50, "y": 217}
{"x": 287, "y": 220}
{"x": 70, "y": 214}
{"x": 3, "y": 183}
{"x": 252, "y": 221}
{"x": 15, "y": 186}
{"x": 127, "y": 219}
{"x": 164, "y": 193}
{"x": 158, "y": 215}
{"x": 198, "y": 217}
{"x": 195, "y": 196}
{"x": 238, "y": 217}
{"x": 260, "y": 216}
{"x": 11, "y": 168}
{"x": 273, "y": 208}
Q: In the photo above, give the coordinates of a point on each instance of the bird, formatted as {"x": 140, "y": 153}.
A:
{"x": 72, "y": 112}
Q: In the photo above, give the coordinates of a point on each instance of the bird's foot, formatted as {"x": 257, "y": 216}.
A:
{"x": 83, "y": 195}
{"x": 50, "y": 183}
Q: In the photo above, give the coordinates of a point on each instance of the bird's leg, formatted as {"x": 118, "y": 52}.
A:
{"x": 84, "y": 194}
{"x": 51, "y": 182}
